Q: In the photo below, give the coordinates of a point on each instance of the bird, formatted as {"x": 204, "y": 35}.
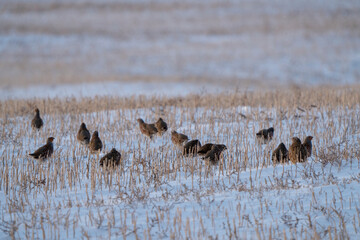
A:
{"x": 45, "y": 151}
{"x": 111, "y": 159}
{"x": 204, "y": 149}
{"x": 83, "y": 135}
{"x": 265, "y": 135}
{"x": 308, "y": 145}
{"x": 178, "y": 138}
{"x": 147, "y": 129}
{"x": 191, "y": 147}
{"x": 161, "y": 126}
{"x": 297, "y": 152}
{"x": 95, "y": 143}
{"x": 214, "y": 154}
{"x": 37, "y": 122}
{"x": 280, "y": 154}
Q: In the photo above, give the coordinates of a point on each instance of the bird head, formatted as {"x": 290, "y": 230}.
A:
{"x": 281, "y": 146}
{"x": 296, "y": 140}
{"x": 83, "y": 126}
{"x": 220, "y": 147}
{"x": 271, "y": 132}
{"x": 139, "y": 120}
{"x": 50, "y": 139}
{"x": 223, "y": 146}
{"x": 96, "y": 134}
{"x": 308, "y": 139}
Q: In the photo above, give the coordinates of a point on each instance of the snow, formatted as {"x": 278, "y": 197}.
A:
{"x": 157, "y": 193}
{"x": 120, "y": 89}
{"x": 240, "y": 202}
{"x": 282, "y": 42}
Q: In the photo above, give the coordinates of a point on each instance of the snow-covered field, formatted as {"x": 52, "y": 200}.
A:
{"x": 217, "y": 71}
{"x": 117, "y": 89}
{"x": 246, "y": 43}
{"x": 157, "y": 193}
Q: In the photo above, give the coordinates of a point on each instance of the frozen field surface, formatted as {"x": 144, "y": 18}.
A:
{"x": 115, "y": 89}
{"x": 217, "y": 71}
{"x": 247, "y": 43}
{"x": 159, "y": 194}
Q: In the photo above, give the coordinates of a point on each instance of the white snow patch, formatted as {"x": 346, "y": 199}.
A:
{"x": 123, "y": 89}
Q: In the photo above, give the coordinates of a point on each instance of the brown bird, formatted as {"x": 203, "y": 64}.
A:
{"x": 83, "y": 135}
{"x": 178, "y": 138}
{"x": 308, "y": 145}
{"x": 95, "y": 143}
{"x": 161, "y": 126}
{"x": 205, "y": 149}
{"x": 45, "y": 151}
{"x": 280, "y": 154}
{"x": 111, "y": 159}
{"x": 147, "y": 129}
{"x": 297, "y": 152}
{"x": 265, "y": 135}
{"x": 214, "y": 154}
{"x": 37, "y": 122}
{"x": 191, "y": 147}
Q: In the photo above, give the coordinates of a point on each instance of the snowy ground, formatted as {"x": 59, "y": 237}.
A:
{"x": 117, "y": 89}
{"x": 159, "y": 194}
{"x": 247, "y": 43}
{"x": 108, "y": 48}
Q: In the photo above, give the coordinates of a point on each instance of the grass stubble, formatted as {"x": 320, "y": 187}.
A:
{"x": 70, "y": 196}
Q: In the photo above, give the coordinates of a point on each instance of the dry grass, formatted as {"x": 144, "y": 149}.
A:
{"x": 296, "y": 99}
{"x": 69, "y": 195}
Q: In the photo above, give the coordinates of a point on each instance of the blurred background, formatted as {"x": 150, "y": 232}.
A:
{"x": 204, "y": 44}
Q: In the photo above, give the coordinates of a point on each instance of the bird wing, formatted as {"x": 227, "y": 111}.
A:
{"x": 37, "y": 122}
{"x": 205, "y": 148}
{"x": 83, "y": 135}
{"x": 151, "y": 128}
{"x": 41, "y": 152}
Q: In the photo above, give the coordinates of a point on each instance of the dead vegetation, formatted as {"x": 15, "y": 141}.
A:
{"x": 292, "y": 103}
{"x": 49, "y": 199}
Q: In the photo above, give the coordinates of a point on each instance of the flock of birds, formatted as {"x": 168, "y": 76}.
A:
{"x": 209, "y": 151}
{"x": 298, "y": 152}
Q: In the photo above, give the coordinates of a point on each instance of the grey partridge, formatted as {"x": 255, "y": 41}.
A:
{"x": 191, "y": 147}
{"x": 147, "y": 129}
{"x": 45, "y": 151}
{"x": 297, "y": 152}
{"x": 265, "y": 135}
{"x": 95, "y": 145}
{"x": 83, "y": 135}
{"x": 204, "y": 149}
{"x": 111, "y": 159}
{"x": 178, "y": 138}
{"x": 161, "y": 126}
{"x": 214, "y": 154}
{"x": 308, "y": 145}
{"x": 37, "y": 122}
{"x": 280, "y": 154}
